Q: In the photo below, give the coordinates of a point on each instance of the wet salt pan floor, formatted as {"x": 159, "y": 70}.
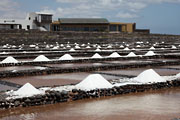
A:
{"x": 155, "y": 105}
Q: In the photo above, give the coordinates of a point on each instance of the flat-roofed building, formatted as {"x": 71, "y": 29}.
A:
{"x": 122, "y": 27}
{"x": 34, "y": 20}
{"x": 80, "y": 24}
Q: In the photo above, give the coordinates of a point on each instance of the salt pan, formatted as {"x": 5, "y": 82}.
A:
{"x": 94, "y": 81}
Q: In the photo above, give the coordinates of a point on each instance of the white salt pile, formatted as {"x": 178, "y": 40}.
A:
{"x": 96, "y": 55}
{"x": 88, "y": 47}
{"x": 131, "y": 54}
{"x": 32, "y": 46}
{"x": 27, "y": 90}
{"x": 109, "y": 46}
{"x": 41, "y": 58}
{"x": 94, "y": 81}
{"x": 178, "y": 75}
{"x": 150, "y": 53}
{"x": 72, "y": 50}
{"x": 66, "y": 57}
{"x": 55, "y": 47}
{"x": 149, "y": 76}
{"x": 138, "y": 46}
{"x": 9, "y": 59}
{"x": 114, "y": 54}
{"x": 126, "y": 48}
{"x": 98, "y": 46}
{"x": 121, "y": 46}
{"x": 173, "y": 47}
{"x": 152, "y": 48}
{"x": 77, "y": 47}
{"x": 97, "y": 50}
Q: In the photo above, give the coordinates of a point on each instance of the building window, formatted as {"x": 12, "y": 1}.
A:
{"x": 28, "y": 27}
{"x": 113, "y": 28}
{"x": 119, "y": 28}
{"x": 12, "y": 26}
{"x": 20, "y": 26}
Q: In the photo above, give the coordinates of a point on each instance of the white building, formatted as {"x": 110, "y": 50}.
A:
{"x": 34, "y": 20}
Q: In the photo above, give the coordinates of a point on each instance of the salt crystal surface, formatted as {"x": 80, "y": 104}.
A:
{"x": 97, "y": 50}
{"x": 150, "y": 53}
{"x": 88, "y": 47}
{"x": 94, "y": 81}
{"x": 149, "y": 76}
{"x": 66, "y": 57}
{"x": 9, "y": 59}
{"x": 152, "y": 48}
{"x": 173, "y": 47}
{"x": 126, "y": 48}
{"x": 131, "y": 54}
{"x": 121, "y": 46}
{"x": 96, "y": 55}
{"x": 114, "y": 54}
{"x": 41, "y": 58}
{"x": 27, "y": 90}
{"x": 72, "y": 50}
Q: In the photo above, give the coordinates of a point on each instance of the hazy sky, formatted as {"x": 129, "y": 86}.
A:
{"x": 161, "y": 16}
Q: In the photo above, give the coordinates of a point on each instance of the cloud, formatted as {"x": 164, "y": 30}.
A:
{"x": 126, "y": 15}
{"x": 9, "y": 9}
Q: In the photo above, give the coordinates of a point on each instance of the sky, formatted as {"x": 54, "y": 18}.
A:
{"x": 160, "y": 16}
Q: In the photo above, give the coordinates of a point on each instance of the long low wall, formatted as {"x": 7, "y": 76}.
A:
{"x": 48, "y": 71}
{"x": 31, "y": 37}
{"x": 52, "y": 97}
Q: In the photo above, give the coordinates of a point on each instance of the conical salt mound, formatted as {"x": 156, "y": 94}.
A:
{"x": 9, "y": 59}
{"x": 114, "y": 54}
{"x": 152, "y": 48}
{"x": 131, "y": 54}
{"x": 150, "y": 53}
{"x": 149, "y": 76}
{"x": 96, "y": 55}
{"x": 94, "y": 81}
{"x": 41, "y": 58}
{"x": 126, "y": 48}
{"x": 66, "y": 57}
{"x": 173, "y": 47}
{"x": 72, "y": 49}
{"x": 97, "y": 49}
{"x": 27, "y": 90}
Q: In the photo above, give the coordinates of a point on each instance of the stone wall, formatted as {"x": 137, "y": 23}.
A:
{"x": 52, "y": 97}
{"x": 30, "y": 37}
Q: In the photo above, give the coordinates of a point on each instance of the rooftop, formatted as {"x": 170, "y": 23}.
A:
{"x": 83, "y": 21}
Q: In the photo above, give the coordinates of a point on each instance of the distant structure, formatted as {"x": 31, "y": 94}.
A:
{"x": 34, "y": 20}
{"x": 43, "y": 22}
{"x": 94, "y": 24}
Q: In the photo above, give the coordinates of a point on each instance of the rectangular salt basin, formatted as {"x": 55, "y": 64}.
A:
{"x": 128, "y": 61}
{"x": 137, "y": 71}
{"x": 20, "y": 68}
{"x": 70, "y": 65}
{"x": 54, "y": 79}
{"x": 5, "y": 88}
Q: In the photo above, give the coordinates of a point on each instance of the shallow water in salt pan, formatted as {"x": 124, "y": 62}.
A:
{"x": 155, "y": 105}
